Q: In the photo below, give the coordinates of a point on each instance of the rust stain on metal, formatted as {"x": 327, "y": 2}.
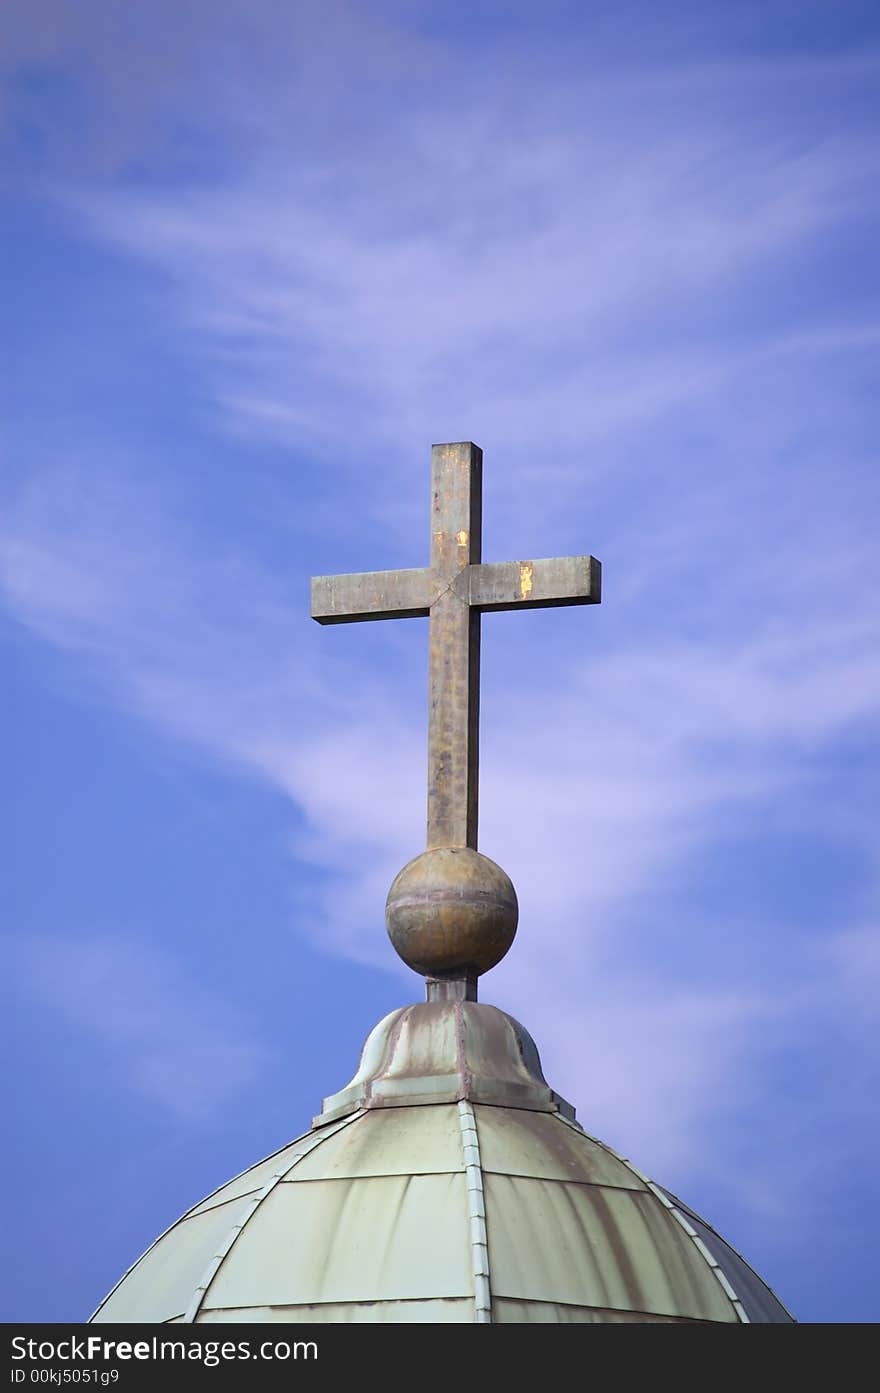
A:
{"x": 526, "y": 572}
{"x": 467, "y": 1078}
{"x": 462, "y": 538}
{"x": 442, "y": 1051}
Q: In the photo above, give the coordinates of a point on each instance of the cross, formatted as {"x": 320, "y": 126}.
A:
{"x": 454, "y": 591}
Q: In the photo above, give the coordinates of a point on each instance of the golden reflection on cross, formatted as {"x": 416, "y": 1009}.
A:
{"x": 454, "y": 591}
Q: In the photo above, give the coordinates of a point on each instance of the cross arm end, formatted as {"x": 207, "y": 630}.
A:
{"x": 370, "y": 595}
{"x": 551, "y": 581}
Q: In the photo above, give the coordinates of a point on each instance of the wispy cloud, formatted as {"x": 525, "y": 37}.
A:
{"x": 436, "y": 258}
{"x": 164, "y": 1035}
{"x": 540, "y": 270}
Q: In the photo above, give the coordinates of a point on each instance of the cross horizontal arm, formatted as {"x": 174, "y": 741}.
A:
{"x": 555, "y": 580}
{"x": 372, "y": 595}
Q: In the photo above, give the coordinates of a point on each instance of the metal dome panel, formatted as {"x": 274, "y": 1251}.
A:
{"x": 508, "y": 1312}
{"x": 759, "y": 1302}
{"x": 443, "y": 1311}
{"x": 595, "y": 1246}
{"x": 390, "y": 1141}
{"x": 161, "y": 1283}
{"x": 378, "y": 1238}
{"x": 250, "y": 1181}
{"x": 514, "y": 1142}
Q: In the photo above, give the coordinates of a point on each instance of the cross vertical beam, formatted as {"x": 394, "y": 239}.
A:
{"x": 454, "y": 646}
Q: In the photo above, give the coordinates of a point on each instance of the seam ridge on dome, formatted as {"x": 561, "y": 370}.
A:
{"x": 560, "y": 1180}
{"x": 190, "y": 1213}
{"x": 745, "y": 1262}
{"x": 204, "y": 1208}
{"x": 470, "y": 1145}
{"x": 721, "y": 1277}
{"x": 187, "y": 1214}
{"x": 707, "y": 1257}
{"x": 240, "y": 1176}
{"x": 201, "y": 1291}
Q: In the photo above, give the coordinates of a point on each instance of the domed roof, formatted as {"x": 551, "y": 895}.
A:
{"x": 446, "y": 1182}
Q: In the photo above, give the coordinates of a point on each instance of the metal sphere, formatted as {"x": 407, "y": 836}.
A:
{"x": 451, "y": 909}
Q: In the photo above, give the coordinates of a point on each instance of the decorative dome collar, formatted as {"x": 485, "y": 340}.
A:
{"x": 447, "y": 1051}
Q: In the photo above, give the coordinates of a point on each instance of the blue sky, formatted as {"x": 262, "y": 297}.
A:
{"x": 257, "y": 259}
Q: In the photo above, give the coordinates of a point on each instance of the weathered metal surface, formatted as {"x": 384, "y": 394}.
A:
{"x": 451, "y": 909}
{"x": 451, "y": 1311}
{"x": 439, "y": 1052}
{"x": 454, "y": 591}
{"x": 760, "y": 1303}
{"x": 252, "y": 1180}
{"x": 451, "y": 986}
{"x": 392, "y": 1141}
{"x": 373, "y": 595}
{"x": 454, "y": 647}
{"x": 379, "y": 1238}
{"x": 252, "y": 1205}
{"x": 554, "y": 581}
{"x": 470, "y": 1146}
{"x": 161, "y": 1284}
{"x": 534, "y": 1144}
{"x": 588, "y": 1245}
{"x": 508, "y": 1312}
{"x": 142, "y": 1292}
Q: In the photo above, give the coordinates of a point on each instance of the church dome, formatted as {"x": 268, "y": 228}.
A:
{"x": 446, "y": 1183}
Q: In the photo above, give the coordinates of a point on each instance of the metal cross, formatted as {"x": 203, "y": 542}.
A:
{"x": 455, "y": 590}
